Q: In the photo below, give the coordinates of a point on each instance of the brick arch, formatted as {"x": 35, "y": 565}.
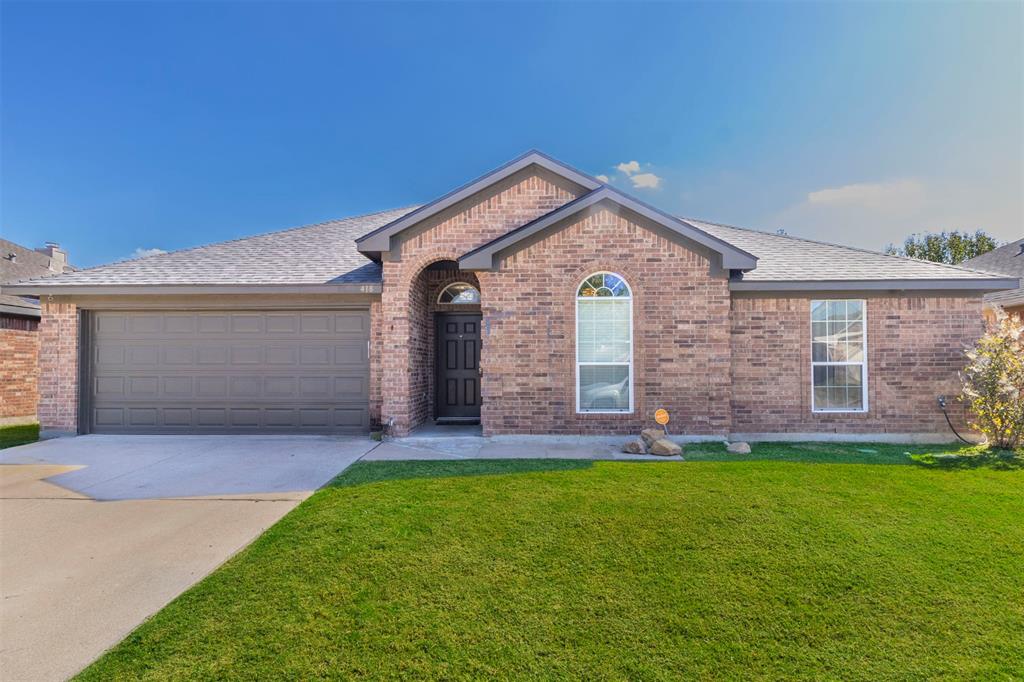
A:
{"x": 407, "y": 305}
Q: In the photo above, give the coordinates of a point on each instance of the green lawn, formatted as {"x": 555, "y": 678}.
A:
{"x": 18, "y": 435}
{"x": 907, "y": 567}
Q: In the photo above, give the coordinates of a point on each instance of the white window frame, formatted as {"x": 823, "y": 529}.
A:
{"x": 863, "y": 363}
{"x": 449, "y": 286}
{"x": 629, "y": 365}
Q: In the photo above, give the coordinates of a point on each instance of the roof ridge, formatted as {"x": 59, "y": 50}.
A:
{"x": 839, "y": 246}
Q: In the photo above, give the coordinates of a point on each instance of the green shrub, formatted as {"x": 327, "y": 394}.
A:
{"x": 993, "y": 382}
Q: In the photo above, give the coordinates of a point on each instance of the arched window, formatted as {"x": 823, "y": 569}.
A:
{"x": 459, "y": 293}
{"x": 604, "y": 344}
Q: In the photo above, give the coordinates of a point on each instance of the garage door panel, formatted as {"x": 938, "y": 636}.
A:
{"x": 142, "y": 416}
{"x": 224, "y": 372}
{"x": 143, "y": 387}
{"x": 315, "y": 323}
{"x": 351, "y": 324}
{"x": 179, "y": 324}
{"x": 109, "y": 323}
{"x": 246, "y": 323}
{"x": 138, "y": 355}
{"x": 211, "y": 387}
{"x": 212, "y": 323}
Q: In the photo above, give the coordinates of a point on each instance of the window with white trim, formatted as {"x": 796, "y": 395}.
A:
{"x": 839, "y": 353}
{"x": 459, "y": 293}
{"x": 604, "y": 344}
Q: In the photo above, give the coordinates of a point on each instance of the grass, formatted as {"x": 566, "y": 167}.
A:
{"x": 18, "y": 435}
{"x": 756, "y": 567}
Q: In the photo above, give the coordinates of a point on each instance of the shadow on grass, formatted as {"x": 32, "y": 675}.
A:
{"x": 362, "y": 473}
{"x": 998, "y": 460}
{"x": 951, "y": 456}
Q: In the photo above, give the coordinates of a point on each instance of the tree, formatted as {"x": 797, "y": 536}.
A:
{"x": 993, "y": 382}
{"x": 945, "y": 247}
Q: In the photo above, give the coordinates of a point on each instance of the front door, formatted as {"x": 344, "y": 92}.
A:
{"x": 458, "y": 367}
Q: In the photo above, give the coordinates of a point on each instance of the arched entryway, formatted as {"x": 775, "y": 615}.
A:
{"x": 445, "y": 332}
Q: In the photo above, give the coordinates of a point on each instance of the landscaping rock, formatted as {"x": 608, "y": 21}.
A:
{"x": 635, "y": 447}
{"x": 738, "y": 448}
{"x": 665, "y": 448}
{"x": 651, "y": 436}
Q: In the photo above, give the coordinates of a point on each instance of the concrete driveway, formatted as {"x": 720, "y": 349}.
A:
{"x": 99, "y": 532}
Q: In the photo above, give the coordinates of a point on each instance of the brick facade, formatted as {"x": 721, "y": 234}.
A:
{"x": 19, "y": 376}
{"x": 406, "y": 322}
{"x": 58, "y": 367}
{"x": 915, "y": 351}
{"x": 722, "y": 363}
{"x": 680, "y": 332}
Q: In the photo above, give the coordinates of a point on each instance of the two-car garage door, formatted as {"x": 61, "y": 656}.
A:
{"x": 244, "y": 371}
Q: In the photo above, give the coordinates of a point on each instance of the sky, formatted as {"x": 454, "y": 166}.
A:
{"x": 130, "y": 127}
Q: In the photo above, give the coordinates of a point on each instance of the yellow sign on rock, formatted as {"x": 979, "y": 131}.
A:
{"x": 661, "y": 416}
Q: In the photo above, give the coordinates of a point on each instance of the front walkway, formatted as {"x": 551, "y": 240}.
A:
{"x": 465, "y": 442}
{"x": 100, "y": 532}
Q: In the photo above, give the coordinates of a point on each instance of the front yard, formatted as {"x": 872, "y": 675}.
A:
{"x": 18, "y": 435}
{"x": 574, "y": 569}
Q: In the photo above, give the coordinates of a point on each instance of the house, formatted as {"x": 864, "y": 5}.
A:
{"x": 19, "y": 321}
{"x": 535, "y": 300}
{"x": 1006, "y": 260}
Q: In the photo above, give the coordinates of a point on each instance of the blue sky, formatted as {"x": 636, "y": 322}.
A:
{"x": 159, "y": 126}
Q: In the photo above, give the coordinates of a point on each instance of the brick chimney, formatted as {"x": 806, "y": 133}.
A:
{"x": 58, "y": 257}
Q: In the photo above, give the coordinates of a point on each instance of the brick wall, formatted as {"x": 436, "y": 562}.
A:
{"x": 915, "y": 350}
{"x": 58, "y": 367}
{"x": 406, "y": 368}
{"x": 376, "y": 364}
{"x": 19, "y": 375}
{"x": 680, "y": 332}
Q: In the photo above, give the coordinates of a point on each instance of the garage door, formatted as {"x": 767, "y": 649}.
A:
{"x": 262, "y": 371}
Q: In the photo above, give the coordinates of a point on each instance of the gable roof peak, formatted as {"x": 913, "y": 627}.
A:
{"x": 732, "y": 257}
{"x": 374, "y": 243}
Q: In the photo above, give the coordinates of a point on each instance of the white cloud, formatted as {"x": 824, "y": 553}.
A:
{"x": 602, "y": 178}
{"x": 631, "y": 169}
{"x": 645, "y": 181}
{"x": 895, "y": 195}
{"x": 145, "y": 253}
{"x": 873, "y": 214}
{"x": 628, "y": 167}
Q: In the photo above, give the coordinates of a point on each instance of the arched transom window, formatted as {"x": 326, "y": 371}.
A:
{"x": 604, "y": 344}
{"x": 459, "y": 293}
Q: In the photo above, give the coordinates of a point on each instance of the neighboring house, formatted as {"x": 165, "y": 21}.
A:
{"x": 19, "y": 320}
{"x": 534, "y": 299}
{"x": 1006, "y": 260}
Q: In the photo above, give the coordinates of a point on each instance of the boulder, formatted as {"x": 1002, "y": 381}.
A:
{"x": 634, "y": 447}
{"x": 665, "y": 448}
{"x": 650, "y": 436}
{"x": 738, "y": 448}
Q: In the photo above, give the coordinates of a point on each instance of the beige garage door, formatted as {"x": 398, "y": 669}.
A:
{"x": 240, "y": 371}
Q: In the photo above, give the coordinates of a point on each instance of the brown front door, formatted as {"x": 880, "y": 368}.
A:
{"x": 458, "y": 367}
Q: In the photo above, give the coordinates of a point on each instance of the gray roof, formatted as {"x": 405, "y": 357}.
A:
{"x": 27, "y": 263}
{"x": 786, "y": 259}
{"x": 1006, "y": 260}
{"x": 324, "y": 253}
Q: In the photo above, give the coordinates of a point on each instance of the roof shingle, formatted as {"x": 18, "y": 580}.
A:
{"x": 1006, "y": 260}
{"x": 325, "y": 253}
{"x": 783, "y": 258}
